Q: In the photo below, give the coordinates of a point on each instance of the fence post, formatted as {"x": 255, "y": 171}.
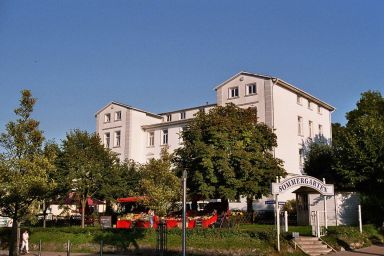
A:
{"x": 39, "y": 254}
{"x": 360, "y": 220}
{"x": 161, "y": 245}
{"x": 101, "y": 248}
{"x": 286, "y": 220}
{"x": 69, "y": 248}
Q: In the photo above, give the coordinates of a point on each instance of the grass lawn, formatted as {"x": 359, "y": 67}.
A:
{"x": 242, "y": 240}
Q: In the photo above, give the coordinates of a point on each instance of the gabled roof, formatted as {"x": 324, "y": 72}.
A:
{"x": 241, "y": 73}
{"x": 282, "y": 83}
{"x": 128, "y": 107}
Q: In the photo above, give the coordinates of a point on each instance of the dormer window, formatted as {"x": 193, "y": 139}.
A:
{"x": 169, "y": 118}
{"x": 182, "y": 115}
{"x": 251, "y": 89}
{"x": 234, "y": 92}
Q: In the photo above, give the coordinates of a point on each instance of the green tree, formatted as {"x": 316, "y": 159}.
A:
{"x": 87, "y": 163}
{"x": 227, "y": 153}
{"x": 24, "y": 167}
{"x": 58, "y": 193}
{"x": 362, "y": 152}
{"x": 124, "y": 181}
{"x": 159, "y": 184}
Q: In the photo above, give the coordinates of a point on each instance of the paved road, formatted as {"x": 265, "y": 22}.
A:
{"x": 368, "y": 251}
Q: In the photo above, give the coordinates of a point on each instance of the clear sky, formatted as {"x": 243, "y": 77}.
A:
{"x": 76, "y": 56}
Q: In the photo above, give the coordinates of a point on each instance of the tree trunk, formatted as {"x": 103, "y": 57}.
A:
{"x": 249, "y": 204}
{"x": 15, "y": 237}
{"x": 83, "y": 203}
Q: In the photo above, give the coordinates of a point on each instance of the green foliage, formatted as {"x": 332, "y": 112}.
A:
{"x": 86, "y": 163}
{"x": 24, "y": 168}
{"x": 159, "y": 184}
{"x": 227, "y": 153}
{"x": 124, "y": 181}
{"x": 290, "y": 207}
{"x": 350, "y": 237}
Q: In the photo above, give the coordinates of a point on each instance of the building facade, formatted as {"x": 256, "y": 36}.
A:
{"x": 293, "y": 114}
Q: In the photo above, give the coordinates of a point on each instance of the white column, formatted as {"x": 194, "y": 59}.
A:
{"x": 317, "y": 224}
{"x": 325, "y": 209}
{"x": 277, "y": 221}
{"x": 277, "y": 216}
{"x": 286, "y": 221}
{"x": 336, "y": 217}
{"x": 360, "y": 220}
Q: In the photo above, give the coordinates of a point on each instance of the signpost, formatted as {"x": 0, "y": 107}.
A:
{"x": 184, "y": 238}
{"x": 106, "y": 221}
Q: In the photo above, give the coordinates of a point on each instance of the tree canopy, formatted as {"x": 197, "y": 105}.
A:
{"x": 159, "y": 184}
{"x": 227, "y": 153}
{"x": 24, "y": 168}
{"x": 87, "y": 163}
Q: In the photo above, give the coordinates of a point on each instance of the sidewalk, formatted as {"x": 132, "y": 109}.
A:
{"x": 374, "y": 250}
{"x": 34, "y": 253}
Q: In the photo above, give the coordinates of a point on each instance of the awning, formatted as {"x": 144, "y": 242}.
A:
{"x": 131, "y": 199}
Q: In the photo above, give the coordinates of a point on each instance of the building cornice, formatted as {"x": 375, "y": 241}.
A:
{"x": 166, "y": 124}
{"x": 189, "y": 109}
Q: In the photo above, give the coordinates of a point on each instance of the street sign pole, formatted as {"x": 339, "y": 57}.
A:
{"x": 184, "y": 238}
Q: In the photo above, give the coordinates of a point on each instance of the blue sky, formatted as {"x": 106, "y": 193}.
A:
{"x": 77, "y": 56}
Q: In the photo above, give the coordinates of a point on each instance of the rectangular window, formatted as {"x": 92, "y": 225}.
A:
{"x": 318, "y": 109}
{"x": 117, "y": 138}
{"x": 151, "y": 139}
{"x": 169, "y": 118}
{"x": 320, "y": 130}
{"x": 299, "y": 100}
{"x": 107, "y": 118}
{"x": 117, "y": 115}
{"x": 107, "y": 139}
{"x": 309, "y": 104}
{"x": 310, "y": 127}
{"x": 300, "y": 125}
{"x": 165, "y": 137}
{"x": 234, "y": 92}
{"x": 251, "y": 89}
{"x": 182, "y": 115}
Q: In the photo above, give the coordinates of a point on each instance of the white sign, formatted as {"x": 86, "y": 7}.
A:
{"x": 302, "y": 181}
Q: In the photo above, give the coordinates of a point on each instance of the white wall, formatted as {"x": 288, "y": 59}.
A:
{"x": 286, "y": 112}
{"x": 343, "y": 206}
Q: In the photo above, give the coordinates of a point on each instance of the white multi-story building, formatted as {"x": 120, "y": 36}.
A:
{"x": 293, "y": 114}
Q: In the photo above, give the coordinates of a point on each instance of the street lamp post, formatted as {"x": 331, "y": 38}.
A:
{"x": 184, "y": 245}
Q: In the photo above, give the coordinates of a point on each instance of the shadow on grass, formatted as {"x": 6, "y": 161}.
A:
{"x": 121, "y": 240}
